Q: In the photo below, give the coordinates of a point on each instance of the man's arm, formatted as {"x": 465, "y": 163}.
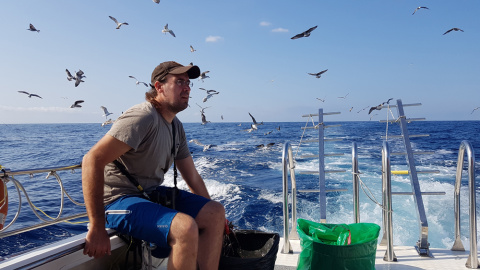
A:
{"x": 192, "y": 177}
{"x": 97, "y": 242}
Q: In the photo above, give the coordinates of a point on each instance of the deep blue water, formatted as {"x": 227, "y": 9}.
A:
{"x": 247, "y": 178}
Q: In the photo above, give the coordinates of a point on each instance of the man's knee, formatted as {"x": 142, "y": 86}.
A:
{"x": 183, "y": 228}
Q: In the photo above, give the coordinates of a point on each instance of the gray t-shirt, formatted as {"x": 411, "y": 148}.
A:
{"x": 150, "y": 136}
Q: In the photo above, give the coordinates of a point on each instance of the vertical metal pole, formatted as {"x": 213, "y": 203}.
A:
{"x": 287, "y": 248}
{"x": 472, "y": 261}
{"x": 293, "y": 181}
{"x": 356, "y": 200}
{"x": 387, "y": 203}
{"x": 321, "y": 168}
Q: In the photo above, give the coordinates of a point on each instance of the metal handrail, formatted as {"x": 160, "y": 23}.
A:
{"x": 472, "y": 261}
{"x": 288, "y": 165}
{"x": 387, "y": 203}
{"x": 8, "y": 176}
{"x": 355, "y": 172}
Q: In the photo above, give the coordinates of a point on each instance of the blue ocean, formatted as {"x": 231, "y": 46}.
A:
{"x": 243, "y": 170}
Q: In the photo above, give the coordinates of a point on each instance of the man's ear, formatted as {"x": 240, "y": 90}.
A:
{"x": 158, "y": 86}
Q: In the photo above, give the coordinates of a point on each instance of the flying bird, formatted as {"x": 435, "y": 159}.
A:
{"x": 69, "y": 75}
{"x": 322, "y": 100}
{"x": 319, "y": 74}
{"x": 475, "y": 109}
{"x": 204, "y": 119}
{"x": 192, "y": 49}
{"x": 203, "y": 109}
{"x": 344, "y": 97}
{"x": 118, "y": 24}
{"x": 379, "y": 106}
{"x": 209, "y": 91}
{"x": 108, "y": 122}
{"x": 255, "y": 124}
{"x": 30, "y": 95}
{"x": 79, "y": 75}
{"x": 105, "y": 111}
{"x": 165, "y": 30}
{"x": 205, "y": 146}
{"x": 33, "y": 29}
{"x": 209, "y": 96}
{"x": 418, "y": 9}
{"x": 138, "y": 82}
{"x": 156, "y": 1}
{"x": 304, "y": 34}
{"x": 453, "y": 29}
{"x": 77, "y": 104}
{"x": 203, "y": 75}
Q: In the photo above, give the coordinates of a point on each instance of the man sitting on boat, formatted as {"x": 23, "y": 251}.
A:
{"x": 144, "y": 142}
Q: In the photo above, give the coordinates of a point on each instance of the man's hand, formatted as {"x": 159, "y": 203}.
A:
{"x": 97, "y": 243}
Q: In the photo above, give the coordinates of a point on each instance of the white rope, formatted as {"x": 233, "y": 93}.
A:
{"x": 363, "y": 185}
{"x": 19, "y": 187}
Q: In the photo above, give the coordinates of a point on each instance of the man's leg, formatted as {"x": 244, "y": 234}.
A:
{"x": 183, "y": 238}
{"x": 211, "y": 224}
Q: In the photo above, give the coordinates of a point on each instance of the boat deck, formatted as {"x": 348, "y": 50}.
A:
{"x": 407, "y": 258}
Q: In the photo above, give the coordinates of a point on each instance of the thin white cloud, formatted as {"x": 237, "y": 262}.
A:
{"x": 265, "y": 23}
{"x": 213, "y": 39}
{"x": 279, "y": 30}
{"x": 40, "y": 109}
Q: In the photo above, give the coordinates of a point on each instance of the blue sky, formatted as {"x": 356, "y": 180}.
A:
{"x": 373, "y": 50}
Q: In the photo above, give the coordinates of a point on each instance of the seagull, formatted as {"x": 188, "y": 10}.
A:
{"x": 418, "y": 9}
{"x": 379, "y": 106}
{"x": 203, "y": 109}
{"x": 475, "y": 109}
{"x": 322, "y": 100}
{"x": 255, "y": 124}
{"x": 30, "y": 95}
{"x": 78, "y": 77}
{"x": 138, "y": 82}
{"x": 319, "y": 74}
{"x": 105, "y": 111}
{"x": 165, "y": 30}
{"x": 278, "y": 128}
{"x": 351, "y": 109}
{"x": 77, "y": 104}
{"x": 204, "y": 119}
{"x": 344, "y": 97}
{"x": 205, "y": 146}
{"x": 209, "y": 96}
{"x": 108, "y": 122}
{"x": 304, "y": 34}
{"x": 69, "y": 75}
{"x": 203, "y": 75}
{"x": 209, "y": 91}
{"x": 192, "y": 49}
{"x": 118, "y": 24}
{"x": 33, "y": 29}
{"x": 453, "y": 29}
{"x": 156, "y": 1}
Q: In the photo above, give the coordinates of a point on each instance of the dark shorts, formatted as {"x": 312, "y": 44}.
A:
{"x": 150, "y": 221}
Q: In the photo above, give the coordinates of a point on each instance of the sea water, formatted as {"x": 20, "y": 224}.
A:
{"x": 245, "y": 174}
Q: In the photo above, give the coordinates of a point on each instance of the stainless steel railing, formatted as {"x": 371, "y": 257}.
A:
{"x": 8, "y": 176}
{"x": 472, "y": 261}
{"x": 288, "y": 165}
{"x": 387, "y": 203}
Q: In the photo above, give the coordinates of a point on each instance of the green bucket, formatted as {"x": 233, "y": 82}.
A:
{"x": 337, "y": 246}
